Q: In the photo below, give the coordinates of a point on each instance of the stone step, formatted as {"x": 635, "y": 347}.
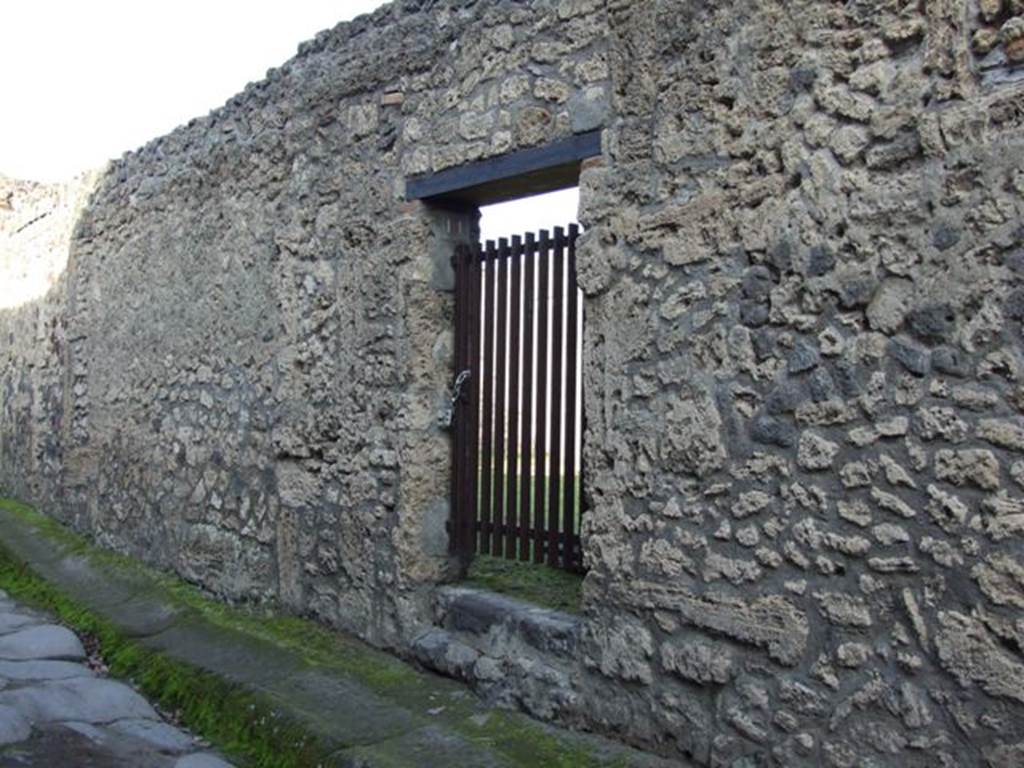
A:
{"x": 479, "y": 613}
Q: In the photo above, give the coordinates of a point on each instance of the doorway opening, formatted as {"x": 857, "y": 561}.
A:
{"x": 519, "y": 324}
{"x": 517, "y": 394}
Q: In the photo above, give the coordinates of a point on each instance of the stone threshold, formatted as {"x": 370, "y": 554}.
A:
{"x": 473, "y": 624}
{"x": 365, "y": 707}
{"x": 479, "y": 612}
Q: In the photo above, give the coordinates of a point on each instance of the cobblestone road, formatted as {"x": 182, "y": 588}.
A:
{"x": 56, "y": 712}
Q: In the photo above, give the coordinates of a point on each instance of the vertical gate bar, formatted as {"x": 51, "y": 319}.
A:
{"x": 487, "y": 414}
{"x": 555, "y": 405}
{"x": 464, "y": 414}
{"x": 475, "y": 382}
{"x": 512, "y": 478}
{"x": 455, "y": 523}
{"x": 529, "y": 390}
{"x": 570, "y": 516}
{"x": 540, "y": 443}
{"x": 583, "y": 428}
{"x": 500, "y": 413}
{"x": 458, "y": 537}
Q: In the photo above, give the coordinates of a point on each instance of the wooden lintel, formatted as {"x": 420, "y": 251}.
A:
{"x": 517, "y": 174}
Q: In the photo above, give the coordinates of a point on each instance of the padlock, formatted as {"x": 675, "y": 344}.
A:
{"x": 447, "y": 416}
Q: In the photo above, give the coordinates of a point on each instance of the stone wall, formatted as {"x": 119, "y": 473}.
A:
{"x": 262, "y": 326}
{"x": 36, "y": 387}
{"x": 804, "y": 302}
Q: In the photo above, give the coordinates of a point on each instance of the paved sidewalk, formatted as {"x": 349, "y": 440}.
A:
{"x": 55, "y": 711}
{"x": 336, "y": 700}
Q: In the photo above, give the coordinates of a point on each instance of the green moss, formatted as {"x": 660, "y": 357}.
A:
{"x": 539, "y": 584}
{"x": 70, "y": 542}
{"x": 316, "y": 644}
{"x": 243, "y": 725}
{"x": 326, "y": 649}
{"x": 528, "y": 743}
{"x": 50, "y": 527}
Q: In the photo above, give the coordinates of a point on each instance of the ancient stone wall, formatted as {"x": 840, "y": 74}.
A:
{"x": 802, "y": 268}
{"x": 804, "y": 370}
{"x": 261, "y": 325}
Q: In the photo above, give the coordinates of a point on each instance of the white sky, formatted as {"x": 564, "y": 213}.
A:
{"x": 517, "y": 217}
{"x": 87, "y": 80}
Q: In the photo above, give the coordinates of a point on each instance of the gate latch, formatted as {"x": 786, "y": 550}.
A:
{"x": 448, "y": 414}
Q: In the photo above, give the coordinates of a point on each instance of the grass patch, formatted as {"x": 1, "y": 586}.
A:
{"x": 487, "y": 509}
{"x": 534, "y": 583}
{"x": 243, "y": 725}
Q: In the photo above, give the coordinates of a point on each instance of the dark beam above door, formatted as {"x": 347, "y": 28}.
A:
{"x": 518, "y": 174}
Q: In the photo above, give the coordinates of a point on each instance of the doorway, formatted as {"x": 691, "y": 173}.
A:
{"x": 518, "y": 427}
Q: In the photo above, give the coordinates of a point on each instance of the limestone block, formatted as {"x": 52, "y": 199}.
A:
{"x": 1012, "y": 35}
{"x": 934, "y": 423}
{"x": 1003, "y": 433}
{"x": 1005, "y": 755}
{"x": 1001, "y": 579}
{"x": 772, "y": 622}
{"x": 890, "y": 305}
{"x": 750, "y": 503}
{"x": 844, "y": 610}
{"x": 976, "y": 467}
{"x": 815, "y": 452}
{"x": 698, "y": 661}
{"x": 973, "y": 655}
{"x": 892, "y": 503}
{"x": 441, "y": 651}
{"x": 622, "y": 650}
{"x": 692, "y": 435}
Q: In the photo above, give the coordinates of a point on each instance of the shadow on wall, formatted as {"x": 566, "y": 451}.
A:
{"x": 37, "y": 222}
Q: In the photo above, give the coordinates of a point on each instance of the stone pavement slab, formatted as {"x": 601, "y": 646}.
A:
{"x": 59, "y": 746}
{"x": 42, "y": 670}
{"x": 41, "y": 642}
{"x": 83, "y": 699}
{"x": 14, "y": 726}
{"x": 9, "y": 622}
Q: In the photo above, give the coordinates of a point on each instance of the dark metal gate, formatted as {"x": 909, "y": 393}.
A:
{"x": 518, "y": 416}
